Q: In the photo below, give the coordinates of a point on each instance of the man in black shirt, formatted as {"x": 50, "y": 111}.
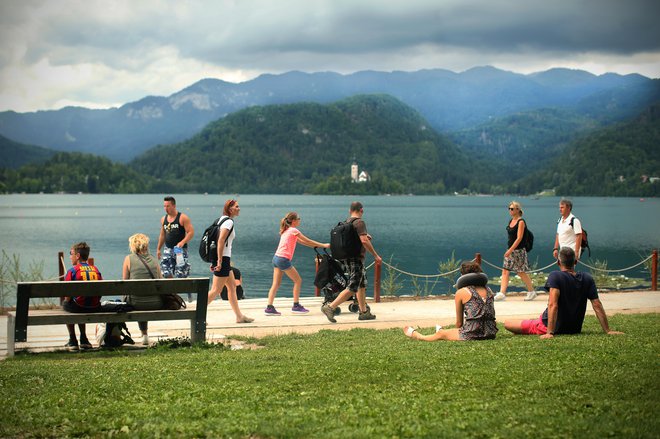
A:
{"x": 567, "y": 304}
{"x": 176, "y": 230}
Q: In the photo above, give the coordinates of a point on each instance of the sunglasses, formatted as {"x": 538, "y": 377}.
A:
{"x": 512, "y": 208}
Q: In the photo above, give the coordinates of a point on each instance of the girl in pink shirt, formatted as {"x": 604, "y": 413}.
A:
{"x": 290, "y": 235}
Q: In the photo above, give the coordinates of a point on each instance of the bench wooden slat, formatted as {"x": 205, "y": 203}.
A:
{"x": 109, "y": 317}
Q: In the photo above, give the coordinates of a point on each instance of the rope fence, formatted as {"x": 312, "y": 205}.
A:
{"x": 378, "y": 281}
{"x": 608, "y": 270}
{"x": 529, "y": 271}
{"x": 423, "y": 276}
{"x": 377, "y": 266}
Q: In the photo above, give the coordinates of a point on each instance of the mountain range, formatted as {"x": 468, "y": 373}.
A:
{"x": 449, "y": 102}
{"x": 308, "y": 148}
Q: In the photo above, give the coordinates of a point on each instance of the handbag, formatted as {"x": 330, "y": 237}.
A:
{"x": 170, "y": 301}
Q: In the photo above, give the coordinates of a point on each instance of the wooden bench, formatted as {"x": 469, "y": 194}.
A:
{"x": 19, "y": 320}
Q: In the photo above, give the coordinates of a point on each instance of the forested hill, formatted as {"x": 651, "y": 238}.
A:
{"x": 73, "y": 172}
{"x": 615, "y": 161}
{"x": 14, "y": 154}
{"x": 308, "y": 148}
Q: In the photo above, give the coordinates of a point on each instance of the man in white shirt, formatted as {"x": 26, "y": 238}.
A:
{"x": 569, "y": 230}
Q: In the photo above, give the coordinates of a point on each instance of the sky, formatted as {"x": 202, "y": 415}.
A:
{"x": 100, "y": 54}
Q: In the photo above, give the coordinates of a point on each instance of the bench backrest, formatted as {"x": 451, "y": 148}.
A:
{"x": 135, "y": 287}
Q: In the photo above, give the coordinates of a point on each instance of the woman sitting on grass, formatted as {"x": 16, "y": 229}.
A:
{"x": 475, "y": 309}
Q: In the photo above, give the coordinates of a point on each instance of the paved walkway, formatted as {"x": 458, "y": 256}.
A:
{"x": 390, "y": 314}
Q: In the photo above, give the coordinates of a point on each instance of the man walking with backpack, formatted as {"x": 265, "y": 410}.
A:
{"x": 350, "y": 246}
{"x": 569, "y": 230}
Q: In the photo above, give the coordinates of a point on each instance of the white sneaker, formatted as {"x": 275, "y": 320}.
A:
{"x": 500, "y": 296}
{"x": 531, "y": 295}
{"x": 145, "y": 340}
{"x": 438, "y": 327}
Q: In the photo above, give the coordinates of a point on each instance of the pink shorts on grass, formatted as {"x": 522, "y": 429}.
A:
{"x": 533, "y": 327}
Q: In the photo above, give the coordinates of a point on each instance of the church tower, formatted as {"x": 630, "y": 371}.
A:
{"x": 354, "y": 172}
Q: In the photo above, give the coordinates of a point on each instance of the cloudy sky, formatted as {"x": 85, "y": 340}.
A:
{"x": 99, "y": 54}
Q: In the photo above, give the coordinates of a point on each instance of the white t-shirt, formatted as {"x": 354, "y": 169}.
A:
{"x": 230, "y": 239}
{"x": 567, "y": 234}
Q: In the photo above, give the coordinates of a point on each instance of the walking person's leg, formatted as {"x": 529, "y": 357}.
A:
{"x": 504, "y": 284}
{"x": 277, "y": 281}
{"x": 293, "y": 274}
{"x": 233, "y": 300}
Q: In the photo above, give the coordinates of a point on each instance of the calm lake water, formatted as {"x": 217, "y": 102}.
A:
{"x": 417, "y": 232}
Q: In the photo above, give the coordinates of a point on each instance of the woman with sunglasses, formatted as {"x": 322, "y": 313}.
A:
{"x": 289, "y": 235}
{"x": 515, "y": 257}
{"x": 221, "y": 268}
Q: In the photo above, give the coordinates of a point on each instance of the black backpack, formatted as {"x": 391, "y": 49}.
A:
{"x": 113, "y": 335}
{"x": 585, "y": 240}
{"x": 344, "y": 240}
{"x": 528, "y": 239}
{"x": 208, "y": 245}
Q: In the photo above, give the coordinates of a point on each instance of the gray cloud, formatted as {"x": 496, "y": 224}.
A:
{"x": 340, "y": 35}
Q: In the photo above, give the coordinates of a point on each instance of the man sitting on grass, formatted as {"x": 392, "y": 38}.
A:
{"x": 567, "y": 304}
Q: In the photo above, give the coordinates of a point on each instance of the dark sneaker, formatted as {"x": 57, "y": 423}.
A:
{"x": 366, "y": 315}
{"x": 271, "y": 311}
{"x": 329, "y": 313}
{"x": 85, "y": 344}
{"x": 299, "y": 309}
{"x": 72, "y": 345}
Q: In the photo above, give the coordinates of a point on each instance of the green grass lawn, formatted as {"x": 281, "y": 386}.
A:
{"x": 358, "y": 383}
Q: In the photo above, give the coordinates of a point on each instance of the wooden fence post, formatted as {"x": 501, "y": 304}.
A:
{"x": 377, "y": 272}
{"x": 654, "y": 271}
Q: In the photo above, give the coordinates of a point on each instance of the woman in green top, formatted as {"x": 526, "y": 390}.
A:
{"x": 140, "y": 264}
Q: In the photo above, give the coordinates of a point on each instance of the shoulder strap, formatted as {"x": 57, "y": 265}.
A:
{"x": 572, "y": 221}
{"x": 221, "y": 220}
{"x": 151, "y": 273}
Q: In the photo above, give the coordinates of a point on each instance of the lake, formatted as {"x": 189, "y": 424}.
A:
{"x": 416, "y": 232}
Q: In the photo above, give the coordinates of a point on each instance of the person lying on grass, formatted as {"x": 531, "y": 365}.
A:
{"x": 475, "y": 309}
{"x": 567, "y": 303}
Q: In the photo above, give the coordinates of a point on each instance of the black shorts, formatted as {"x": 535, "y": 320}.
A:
{"x": 225, "y": 267}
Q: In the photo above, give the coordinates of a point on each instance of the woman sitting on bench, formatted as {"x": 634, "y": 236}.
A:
{"x": 140, "y": 264}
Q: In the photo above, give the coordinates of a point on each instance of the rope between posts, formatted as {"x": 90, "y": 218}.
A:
{"x": 425, "y": 276}
{"x": 530, "y": 271}
{"x": 607, "y": 270}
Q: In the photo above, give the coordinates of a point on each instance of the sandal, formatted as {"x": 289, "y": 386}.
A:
{"x": 245, "y": 319}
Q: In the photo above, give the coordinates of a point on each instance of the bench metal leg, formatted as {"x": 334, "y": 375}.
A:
{"x": 197, "y": 333}
{"x": 11, "y": 340}
{"x": 198, "y": 326}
